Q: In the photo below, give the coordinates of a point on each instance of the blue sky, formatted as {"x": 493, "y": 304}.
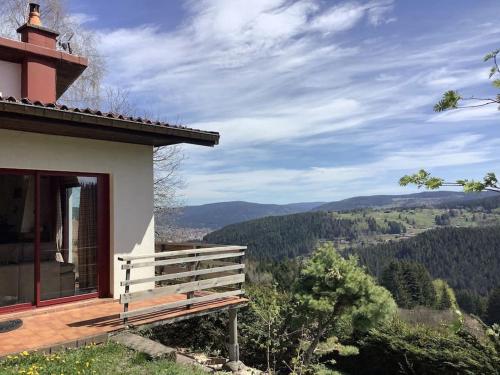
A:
{"x": 315, "y": 100}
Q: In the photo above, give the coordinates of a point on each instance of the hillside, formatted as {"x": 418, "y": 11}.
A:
{"x": 278, "y": 237}
{"x": 468, "y": 258}
{"x": 218, "y": 215}
{"x": 426, "y": 198}
{"x": 214, "y": 216}
{"x": 289, "y": 236}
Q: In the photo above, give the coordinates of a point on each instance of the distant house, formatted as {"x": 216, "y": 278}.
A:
{"x": 76, "y": 185}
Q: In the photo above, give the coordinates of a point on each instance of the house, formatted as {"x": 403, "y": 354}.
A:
{"x": 76, "y": 211}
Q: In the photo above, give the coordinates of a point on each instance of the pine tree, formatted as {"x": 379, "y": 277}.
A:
{"x": 392, "y": 279}
{"x": 410, "y": 284}
{"x": 493, "y": 309}
{"x": 445, "y": 297}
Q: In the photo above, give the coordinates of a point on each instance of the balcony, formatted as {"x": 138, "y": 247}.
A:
{"x": 188, "y": 281}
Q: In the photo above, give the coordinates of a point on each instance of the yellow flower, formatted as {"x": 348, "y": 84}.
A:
{"x": 25, "y": 353}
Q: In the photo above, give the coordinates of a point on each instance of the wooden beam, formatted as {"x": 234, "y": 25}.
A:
{"x": 180, "y": 275}
{"x": 182, "y": 288}
{"x": 160, "y": 308}
{"x": 167, "y": 254}
{"x": 182, "y": 260}
{"x": 189, "y": 315}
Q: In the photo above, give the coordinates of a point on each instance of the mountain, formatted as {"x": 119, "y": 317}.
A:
{"x": 426, "y": 198}
{"x": 218, "y": 215}
{"x": 289, "y": 236}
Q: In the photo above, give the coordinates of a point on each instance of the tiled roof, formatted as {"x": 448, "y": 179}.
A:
{"x": 24, "y": 115}
{"x": 93, "y": 112}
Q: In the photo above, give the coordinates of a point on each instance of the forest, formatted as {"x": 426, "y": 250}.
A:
{"x": 289, "y": 236}
{"x": 467, "y": 258}
{"x": 439, "y": 265}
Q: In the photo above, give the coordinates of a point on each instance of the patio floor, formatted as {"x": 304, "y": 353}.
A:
{"x": 76, "y": 324}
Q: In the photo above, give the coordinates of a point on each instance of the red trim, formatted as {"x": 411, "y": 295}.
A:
{"x": 37, "y": 239}
{"x": 103, "y": 236}
{"x": 16, "y": 308}
{"x": 49, "y": 172}
{"x": 103, "y": 233}
{"x": 57, "y": 301}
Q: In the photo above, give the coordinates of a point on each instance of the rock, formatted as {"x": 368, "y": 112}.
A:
{"x": 141, "y": 344}
{"x": 239, "y": 368}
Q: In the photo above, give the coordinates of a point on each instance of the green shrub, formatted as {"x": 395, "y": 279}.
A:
{"x": 398, "y": 348}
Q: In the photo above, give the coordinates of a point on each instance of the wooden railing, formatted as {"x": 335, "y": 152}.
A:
{"x": 200, "y": 269}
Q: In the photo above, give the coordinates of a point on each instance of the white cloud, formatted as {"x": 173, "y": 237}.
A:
{"x": 330, "y": 182}
{"x": 339, "y": 18}
{"x": 275, "y": 76}
{"x": 82, "y": 18}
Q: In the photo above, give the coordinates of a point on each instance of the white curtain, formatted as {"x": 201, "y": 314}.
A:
{"x": 28, "y": 220}
{"x": 59, "y": 227}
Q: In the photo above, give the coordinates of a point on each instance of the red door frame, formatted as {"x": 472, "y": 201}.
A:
{"x": 103, "y": 238}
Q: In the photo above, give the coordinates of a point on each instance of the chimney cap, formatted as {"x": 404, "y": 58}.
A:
{"x": 34, "y": 14}
{"x": 34, "y": 21}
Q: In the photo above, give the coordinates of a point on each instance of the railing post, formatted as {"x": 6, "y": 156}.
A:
{"x": 194, "y": 267}
{"x": 127, "y": 289}
{"x": 242, "y": 270}
{"x": 233, "y": 347}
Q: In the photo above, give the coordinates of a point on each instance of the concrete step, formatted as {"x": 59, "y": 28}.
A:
{"x": 141, "y": 344}
{"x": 153, "y": 349}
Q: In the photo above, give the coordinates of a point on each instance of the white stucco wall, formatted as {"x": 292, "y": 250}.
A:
{"x": 10, "y": 79}
{"x": 131, "y": 185}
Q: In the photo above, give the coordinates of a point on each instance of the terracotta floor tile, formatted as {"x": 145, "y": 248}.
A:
{"x": 53, "y": 325}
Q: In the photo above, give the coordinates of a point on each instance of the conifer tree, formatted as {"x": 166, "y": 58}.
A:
{"x": 493, "y": 309}
{"x": 410, "y": 284}
{"x": 445, "y": 297}
{"x": 332, "y": 288}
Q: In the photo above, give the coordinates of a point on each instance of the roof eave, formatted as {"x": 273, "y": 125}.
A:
{"x": 37, "y": 119}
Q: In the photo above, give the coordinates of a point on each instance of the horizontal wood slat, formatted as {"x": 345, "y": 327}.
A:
{"x": 180, "y": 275}
{"x": 183, "y": 260}
{"x": 182, "y": 288}
{"x": 166, "y": 254}
{"x": 160, "y": 308}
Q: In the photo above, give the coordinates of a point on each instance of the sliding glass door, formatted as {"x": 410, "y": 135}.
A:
{"x": 68, "y": 238}
{"x": 66, "y": 258}
{"x": 17, "y": 239}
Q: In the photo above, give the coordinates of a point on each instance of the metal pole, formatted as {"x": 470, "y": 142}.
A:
{"x": 234, "y": 349}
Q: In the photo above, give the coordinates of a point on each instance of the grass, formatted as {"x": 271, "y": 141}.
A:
{"x": 106, "y": 359}
{"x": 416, "y": 220}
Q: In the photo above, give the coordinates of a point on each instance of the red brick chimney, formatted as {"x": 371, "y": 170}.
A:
{"x": 38, "y": 80}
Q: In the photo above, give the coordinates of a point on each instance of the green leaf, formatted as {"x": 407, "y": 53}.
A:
{"x": 473, "y": 186}
{"x": 449, "y": 100}
{"x": 422, "y": 179}
{"x": 493, "y": 70}
{"x": 491, "y": 55}
{"x": 490, "y": 180}
{"x": 496, "y": 83}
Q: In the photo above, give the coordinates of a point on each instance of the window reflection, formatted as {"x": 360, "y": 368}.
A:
{"x": 68, "y": 247}
{"x": 17, "y": 224}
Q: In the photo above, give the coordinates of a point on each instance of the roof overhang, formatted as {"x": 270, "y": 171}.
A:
{"x": 68, "y": 67}
{"x": 38, "y": 118}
